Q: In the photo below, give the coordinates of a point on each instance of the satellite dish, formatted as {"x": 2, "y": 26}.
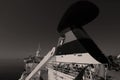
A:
{"x": 79, "y": 14}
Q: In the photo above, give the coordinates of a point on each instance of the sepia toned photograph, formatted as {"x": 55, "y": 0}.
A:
{"x": 59, "y": 40}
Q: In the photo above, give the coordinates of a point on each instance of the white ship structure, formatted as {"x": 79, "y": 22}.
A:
{"x": 76, "y": 56}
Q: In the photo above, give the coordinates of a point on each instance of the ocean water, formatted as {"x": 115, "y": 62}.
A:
{"x": 11, "y": 69}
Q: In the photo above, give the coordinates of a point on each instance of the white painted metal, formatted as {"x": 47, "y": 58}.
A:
{"x": 41, "y": 64}
{"x": 56, "y": 75}
{"x": 83, "y": 58}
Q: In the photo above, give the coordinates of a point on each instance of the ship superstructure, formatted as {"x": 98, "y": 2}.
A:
{"x": 76, "y": 56}
{"x": 30, "y": 63}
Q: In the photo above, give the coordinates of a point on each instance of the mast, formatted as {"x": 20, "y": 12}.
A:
{"x": 38, "y": 51}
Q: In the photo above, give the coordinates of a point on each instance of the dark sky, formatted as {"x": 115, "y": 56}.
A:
{"x": 26, "y": 23}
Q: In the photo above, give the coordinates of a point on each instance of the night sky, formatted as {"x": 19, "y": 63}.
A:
{"x": 24, "y": 24}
